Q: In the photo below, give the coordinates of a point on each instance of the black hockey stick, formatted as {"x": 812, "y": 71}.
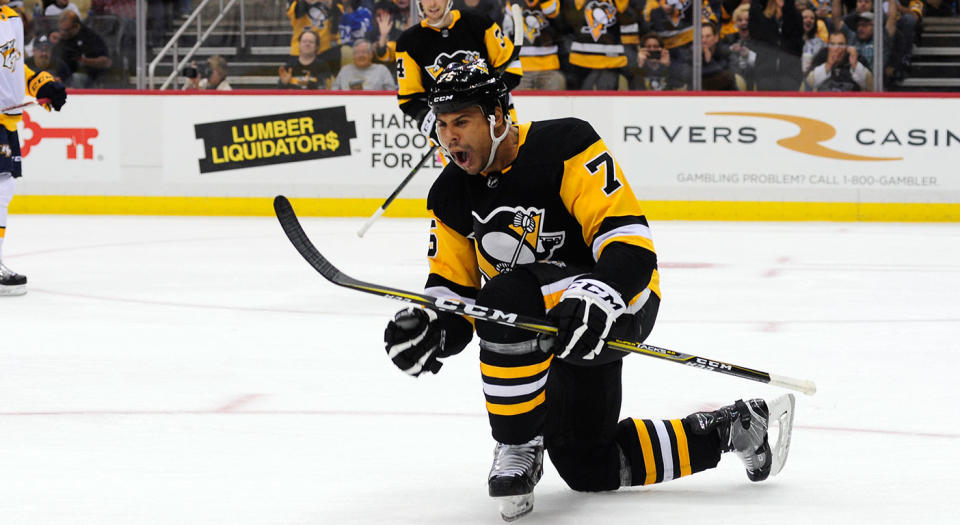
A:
{"x": 291, "y": 226}
{"x": 517, "y": 16}
{"x": 383, "y": 207}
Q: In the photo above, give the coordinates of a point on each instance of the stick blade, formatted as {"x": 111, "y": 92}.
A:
{"x": 291, "y": 226}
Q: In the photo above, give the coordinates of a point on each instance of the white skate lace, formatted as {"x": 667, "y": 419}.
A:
{"x": 515, "y": 460}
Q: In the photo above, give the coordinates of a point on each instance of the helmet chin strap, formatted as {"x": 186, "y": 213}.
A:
{"x": 495, "y": 140}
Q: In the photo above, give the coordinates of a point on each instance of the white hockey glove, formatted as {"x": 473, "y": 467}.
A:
{"x": 584, "y": 316}
{"x": 413, "y": 339}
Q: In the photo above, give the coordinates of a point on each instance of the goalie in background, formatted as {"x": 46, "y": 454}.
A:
{"x": 538, "y": 219}
{"x": 16, "y": 81}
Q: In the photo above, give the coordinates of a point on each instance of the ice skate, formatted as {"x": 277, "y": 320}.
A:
{"x": 515, "y": 472}
{"x": 743, "y": 428}
{"x": 11, "y": 283}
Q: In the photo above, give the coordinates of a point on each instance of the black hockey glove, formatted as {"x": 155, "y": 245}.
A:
{"x": 55, "y": 92}
{"x": 414, "y": 339}
{"x": 587, "y": 310}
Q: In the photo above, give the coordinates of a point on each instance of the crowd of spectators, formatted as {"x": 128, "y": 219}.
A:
{"x": 763, "y": 45}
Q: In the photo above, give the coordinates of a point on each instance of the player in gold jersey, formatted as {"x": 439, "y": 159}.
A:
{"x": 538, "y": 219}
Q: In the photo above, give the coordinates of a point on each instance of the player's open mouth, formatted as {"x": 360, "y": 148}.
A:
{"x": 461, "y": 157}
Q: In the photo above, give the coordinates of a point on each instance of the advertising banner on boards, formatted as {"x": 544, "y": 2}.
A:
{"x": 685, "y": 148}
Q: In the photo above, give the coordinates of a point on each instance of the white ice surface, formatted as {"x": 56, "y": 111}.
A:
{"x": 167, "y": 370}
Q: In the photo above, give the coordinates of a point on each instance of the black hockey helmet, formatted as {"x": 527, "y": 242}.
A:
{"x": 465, "y": 84}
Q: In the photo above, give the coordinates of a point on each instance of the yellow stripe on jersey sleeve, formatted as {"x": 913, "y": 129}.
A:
{"x": 594, "y": 188}
{"x": 409, "y": 79}
{"x": 499, "y": 49}
{"x": 452, "y": 256}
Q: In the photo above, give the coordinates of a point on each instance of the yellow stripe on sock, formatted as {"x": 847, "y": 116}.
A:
{"x": 514, "y": 372}
{"x": 650, "y": 465}
{"x": 518, "y": 408}
{"x": 3, "y": 231}
{"x": 682, "y": 449}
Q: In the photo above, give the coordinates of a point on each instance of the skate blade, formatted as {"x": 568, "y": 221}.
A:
{"x": 781, "y": 411}
{"x": 19, "y": 289}
{"x": 513, "y": 508}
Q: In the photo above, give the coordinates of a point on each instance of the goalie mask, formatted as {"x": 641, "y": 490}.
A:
{"x": 465, "y": 84}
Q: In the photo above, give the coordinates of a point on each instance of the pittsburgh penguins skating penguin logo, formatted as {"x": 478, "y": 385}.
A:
{"x": 534, "y": 22}
{"x": 512, "y": 236}
{"x": 599, "y": 17}
{"x": 444, "y": 60}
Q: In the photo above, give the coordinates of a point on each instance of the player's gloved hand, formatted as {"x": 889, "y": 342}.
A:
{"x": 587, "y": 310}
{"x": 414, "y": 339}
{"x": 55, "y": 92}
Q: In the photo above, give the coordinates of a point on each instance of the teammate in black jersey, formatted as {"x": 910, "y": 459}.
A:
{"x": 538, "y": 219}
{"x": 445, "y": 36}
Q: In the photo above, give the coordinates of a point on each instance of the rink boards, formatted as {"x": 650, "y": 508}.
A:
{"x": 687, "y": 156}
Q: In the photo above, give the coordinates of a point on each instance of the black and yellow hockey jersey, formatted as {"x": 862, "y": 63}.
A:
{"x": 563, "y": 199}
{"x": 675, "y": 28}
{"x": 423, "y": 51}
{"x": 596, "y": 33}
{"x": 541, "y": 36}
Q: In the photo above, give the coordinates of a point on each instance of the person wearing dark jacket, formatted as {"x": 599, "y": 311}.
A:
{"x": 776, "y": 30}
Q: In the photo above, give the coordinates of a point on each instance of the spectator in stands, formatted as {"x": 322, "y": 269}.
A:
{"x": 655, "y": 72}
{"x": 673, "y": 21}
{"x": 715, "y": 72}
{"x": 363, "y": 74}
{"x": 305, "y": 71}
{"x": 81, "y": 49}
{"x": 404, "y": 14}
{"x": 539, "y": 55}
{"x": 214, "y": 78}
{"x": 492, "y": 9}
{"x": 43, "y": 60}
{"x": 59, "y": 6}
{"x": 841, "y": 70}
{"x": 385, "y": 32}
{"x": 777, "y": 33}
{"x": 742, "y": 56}
{"x": 861, "y": 37}
{"x": 596, "y": 53}
{"x": 323, "y": 18}
{"x": 355, "y": 22}
{"x": 813, "y": 41}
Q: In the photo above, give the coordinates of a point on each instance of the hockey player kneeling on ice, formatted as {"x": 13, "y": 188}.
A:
{"x": 538, "y": 219}
{"x": 16, "y": 81}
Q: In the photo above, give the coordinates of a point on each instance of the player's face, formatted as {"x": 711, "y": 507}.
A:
{"x": 466, "y": 135}
{"x": 434, "y": 9}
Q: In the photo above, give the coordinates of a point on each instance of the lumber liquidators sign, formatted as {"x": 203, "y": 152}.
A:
{"x": 275, "y": 139}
